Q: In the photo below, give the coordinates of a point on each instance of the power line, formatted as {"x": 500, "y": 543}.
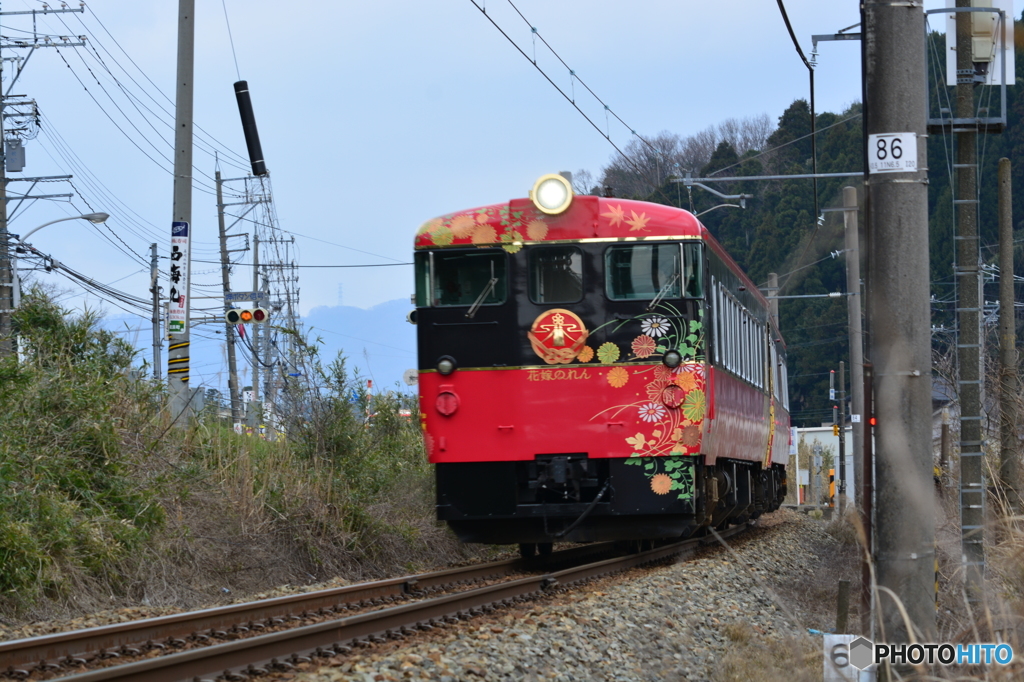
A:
{"x": 571, "y": 100}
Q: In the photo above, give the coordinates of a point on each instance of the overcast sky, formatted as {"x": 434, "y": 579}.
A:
{"x": 376, "y": 116}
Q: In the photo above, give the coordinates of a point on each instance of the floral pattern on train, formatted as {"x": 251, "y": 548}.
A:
{"x": 668, "y": 406}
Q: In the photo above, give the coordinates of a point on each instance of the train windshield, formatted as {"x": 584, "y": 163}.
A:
{"x": 460, "y": 278}
{"x": 648, "y": 271}
{"x": 556, "y": 274}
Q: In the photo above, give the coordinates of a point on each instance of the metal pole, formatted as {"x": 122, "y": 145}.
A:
{"x": 1008, "y": 386}
{"x": 229, "y": 331}
{"x": 899, "y": 315}
{"x": 178, "y": 350}
{"x": 868, "y": 501}
{"x": 154, "y": 269}
{"x": 972, "y": 487}
{"x": 6, "y": 269}
{"x": 841, "y": 493}
{"x": 255, "y": 327}
{"x": 853, "y": 312}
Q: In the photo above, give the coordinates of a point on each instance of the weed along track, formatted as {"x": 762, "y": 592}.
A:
{"x": 248, "y": 640}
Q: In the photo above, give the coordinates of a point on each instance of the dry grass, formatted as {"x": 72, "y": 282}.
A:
{"x": 785, "y": 657}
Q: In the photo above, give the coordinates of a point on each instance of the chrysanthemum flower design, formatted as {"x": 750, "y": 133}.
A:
{"x": 442, "y": 236}
{"x": 652, "y": 412}
{"x": 661, "y": 484}
{"x": 643, "y": 346}
{"x": 430, "y": 226}
{"x": 483, "y": 234}
{"x": 536, "y": 230}
{"x": 690, "y": 436}
{"x": 462, "y": 226}
{"x": 618, "y": 377}
{"x": 608, "y": 353}
{"x": 655, "y": 327}
{"x": 586, "y": 354}
{"x": 694, "y": 405}
{"x": 686, "y": 381}
{"x": 663, "y": 373}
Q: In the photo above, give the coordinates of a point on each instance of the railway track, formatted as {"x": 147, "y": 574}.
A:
{"x": 404, "y": 606}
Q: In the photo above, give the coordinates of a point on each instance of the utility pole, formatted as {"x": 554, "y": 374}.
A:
{"x": 181, "y": 242}
{"x": 841, "y": 493}
{"x": 773, "y": 291}
{"x": 6, "y": 270}
{"x": 969, "y": 341}
{"x": 1009, "y": 469}
{"x": 229, "y": 331}
{"x": 899, "y": 314}
{"x": 853, "y": 313}
{"x": 154, "y": 275}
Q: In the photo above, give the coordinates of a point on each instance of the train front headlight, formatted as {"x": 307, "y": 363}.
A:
{"x": 551, "y": 194}
{"x": 446, "y": 365}
{"x": 672, "y": 359}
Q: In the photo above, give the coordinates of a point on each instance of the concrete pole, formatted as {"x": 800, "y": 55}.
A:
{"x": 155, "y": 290}
{"x": 853, "y": 312}
{"x": 968, "y": 273}
{"x": 1008, "y": 385}
{"x": 899, "y": 321}
{"x": 773, "y": 290}
{"x": 178, "y": 350}
{"x": 229, "y": 331}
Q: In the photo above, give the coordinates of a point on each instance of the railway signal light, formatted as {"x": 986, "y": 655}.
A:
{"x": 246, "y": 315}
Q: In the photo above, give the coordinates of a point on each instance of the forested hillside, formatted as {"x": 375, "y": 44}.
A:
{"x": 779, "y": 230}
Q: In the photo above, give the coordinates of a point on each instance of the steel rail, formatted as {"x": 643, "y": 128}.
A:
{"x": 281, "y": 651}
{"x": 48, "y": 652}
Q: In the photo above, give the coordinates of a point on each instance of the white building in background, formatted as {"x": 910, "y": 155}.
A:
{"x": 823, "y": 435}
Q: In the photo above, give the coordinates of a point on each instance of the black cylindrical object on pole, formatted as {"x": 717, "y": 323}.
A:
{"x": 252, "y": 136}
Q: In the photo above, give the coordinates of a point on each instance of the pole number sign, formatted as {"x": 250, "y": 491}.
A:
{"x": 892, "y": 153}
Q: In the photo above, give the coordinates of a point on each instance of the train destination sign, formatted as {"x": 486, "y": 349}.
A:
{"x": 892, "y": 153}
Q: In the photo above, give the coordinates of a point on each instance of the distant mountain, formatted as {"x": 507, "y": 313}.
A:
{"x": 378, "y": 342}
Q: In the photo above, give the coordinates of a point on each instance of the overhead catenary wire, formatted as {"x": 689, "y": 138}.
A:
{"x": 562, "y": 92}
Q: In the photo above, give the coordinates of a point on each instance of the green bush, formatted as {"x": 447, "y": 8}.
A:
{"x": 68, "y": 502}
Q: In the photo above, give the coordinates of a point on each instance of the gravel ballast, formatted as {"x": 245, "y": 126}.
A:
{"x": 719, "y": 615}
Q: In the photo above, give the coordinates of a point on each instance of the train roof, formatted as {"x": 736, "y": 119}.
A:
{"x": 519, "y": 222}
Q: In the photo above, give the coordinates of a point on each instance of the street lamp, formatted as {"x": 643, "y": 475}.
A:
{"x": 91, "y": 217}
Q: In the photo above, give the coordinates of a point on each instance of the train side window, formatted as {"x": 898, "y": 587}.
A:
{"x": 461, "y": 278}
{"x": 556, "y": 274}
{"x": 693, "y": 272}
{"x": 642, "y": 271}
{"x": 422, "y": 261}
{"x": 713, "y": 303}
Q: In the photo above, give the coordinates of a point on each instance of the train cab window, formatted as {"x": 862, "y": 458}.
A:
{"x": 647, "y": 271}
{"x": 461, "y": 278}
{"x": 556, "y": 274}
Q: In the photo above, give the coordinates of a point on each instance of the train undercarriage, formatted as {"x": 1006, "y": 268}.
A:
{"x": 573, "y": 498}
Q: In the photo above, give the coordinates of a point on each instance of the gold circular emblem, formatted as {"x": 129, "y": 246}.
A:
{"x": 557, "y": 336}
